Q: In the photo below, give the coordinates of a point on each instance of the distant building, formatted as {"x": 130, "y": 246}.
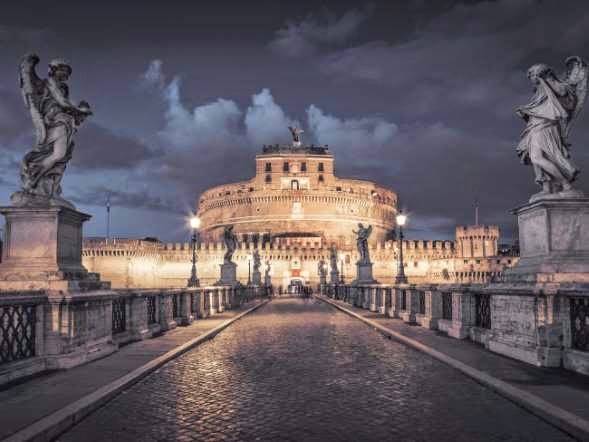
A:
{"x": 293, "y": 211}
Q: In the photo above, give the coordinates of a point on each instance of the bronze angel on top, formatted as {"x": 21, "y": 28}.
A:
{"x": 56, "y": 120}
{"x": 556, "y": 103}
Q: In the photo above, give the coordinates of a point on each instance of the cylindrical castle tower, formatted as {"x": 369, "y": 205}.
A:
{"x": 295, "y": 198}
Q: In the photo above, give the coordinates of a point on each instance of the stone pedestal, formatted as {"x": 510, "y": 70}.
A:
{"x": 364, "y": 273}
{"x": 256, "y": 278}
{"x": 554, "y": 241}
{"x": 43, "y": 250}
{"x": 228, "y": 274}
{"x": 334, "y": 277}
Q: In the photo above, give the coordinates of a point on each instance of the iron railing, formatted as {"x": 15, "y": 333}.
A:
{"x": 150, "y": 301}
{"x": 483, "y": 310}
{"x": 119, "y": 315}
{"x": 447, "y": 306}
{"x": 175, "y": 312}
{"x": 17, "y": 332}
{"x": 421, "y": 303}
{"x": 579, "y": 323}
{"x": 403, "y": 300}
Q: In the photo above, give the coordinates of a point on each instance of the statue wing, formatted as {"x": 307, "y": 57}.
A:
{"x": 32, "y": 88}
{"x": 576, "y": 78}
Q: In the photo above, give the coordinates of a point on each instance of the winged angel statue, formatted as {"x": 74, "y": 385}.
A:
{"x": 56, "y": 120}
{"x": 557, "y": 102}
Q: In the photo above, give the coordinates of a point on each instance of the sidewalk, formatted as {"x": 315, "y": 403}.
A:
{"x": 25, "y": 404}
{"x": 557, "y": 387}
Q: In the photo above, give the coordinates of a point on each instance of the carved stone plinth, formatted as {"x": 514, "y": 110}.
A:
{"x": 334, "y": 277}
{"x": 43, "y": 250}
{"x": 256, "y": 278}
{"x": 228, "y": 274}
{"x": 364, "y": 273}
{"x": 554, "y": 241}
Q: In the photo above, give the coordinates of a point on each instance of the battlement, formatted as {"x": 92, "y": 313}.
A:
{"x": 477, "y": 231}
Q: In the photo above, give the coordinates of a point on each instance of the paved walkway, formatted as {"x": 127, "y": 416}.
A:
{"x": 26, "y": 403}
{"x": 565, "y": 389}
{"x": 301, "y": 370}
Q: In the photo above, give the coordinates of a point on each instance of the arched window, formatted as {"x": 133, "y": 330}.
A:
{"x": 294, "y": 184}
{"x": 268, "y": 178}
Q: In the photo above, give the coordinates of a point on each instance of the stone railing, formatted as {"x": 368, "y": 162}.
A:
{"x": 42, "y": 331}
{"x": 548, "y": 328}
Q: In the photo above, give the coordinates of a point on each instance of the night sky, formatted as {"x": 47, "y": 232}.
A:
{"x": 416, "y": 95}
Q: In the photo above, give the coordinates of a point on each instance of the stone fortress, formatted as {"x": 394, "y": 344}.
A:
{"x": 293, "y": 211}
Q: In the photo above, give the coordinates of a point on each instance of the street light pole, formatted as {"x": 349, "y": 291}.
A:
{"x": 401, "y": 278}
{"x": 341, "y": 274}
{"x": 195, "y": 224}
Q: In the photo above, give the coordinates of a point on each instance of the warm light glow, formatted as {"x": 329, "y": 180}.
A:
{"x": 195, "y": 222}
{"x": 401, "y": 219}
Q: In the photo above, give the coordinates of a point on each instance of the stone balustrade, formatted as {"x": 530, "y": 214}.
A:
{"x": 547, "y": 327}
{"x": 45, "y": 330}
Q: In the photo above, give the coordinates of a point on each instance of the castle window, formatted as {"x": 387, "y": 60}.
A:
{"x": 321, "y": 178}
{"x": 338, "y": 189}
{"x": 285, "y": 167}
{"x": 251, "y": 189}
{"x": 294, "y": 185}
{"x": 320, "y": 167}
{"x": 268, "y": 167}
{"x": 303, "y": 167}
{"x": 268, "y": 178}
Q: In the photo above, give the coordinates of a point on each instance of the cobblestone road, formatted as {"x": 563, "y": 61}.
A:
{"x": 300, "y": 370}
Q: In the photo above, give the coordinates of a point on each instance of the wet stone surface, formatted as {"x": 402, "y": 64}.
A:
{"x": 300, "y": 370}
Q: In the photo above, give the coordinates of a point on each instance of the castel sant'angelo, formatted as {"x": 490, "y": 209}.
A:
{"x": 293, "y": 211}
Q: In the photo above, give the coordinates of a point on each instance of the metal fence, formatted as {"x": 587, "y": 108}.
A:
{"x": 403, "y": 300}
{"x": 421, "y": 302}
{"x": 151, "y": 318}
{"x": 579, "y": 309}
{"x": 17, "y": 332}
{"x": 119, "y": 315}
{"x": 447, "y": 306}
{"x": 483, "y": 310}
{"x": 175, "y": 311}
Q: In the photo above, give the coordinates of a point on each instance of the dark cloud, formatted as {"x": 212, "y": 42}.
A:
{"x": 318, "y": 31}
{"x": 99, "y": 148}
{"x": 97, "y": 195}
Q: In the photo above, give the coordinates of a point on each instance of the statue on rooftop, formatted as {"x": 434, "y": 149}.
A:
{"x": 56, "y": 120}
{"x": 362, "y": 242}
{"x": 544, "y": 144}
{"x": 230, "y": 240}
{"x": 296, "y": 132}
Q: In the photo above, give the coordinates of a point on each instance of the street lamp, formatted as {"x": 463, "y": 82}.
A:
{"x": 401, "y": 278}
{"x": 341, "y": 275}
{"x": 194, "y": 224}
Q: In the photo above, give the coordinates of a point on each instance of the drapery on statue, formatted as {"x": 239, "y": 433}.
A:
{"x": 362, "y": 242}
{"x": 321, "y": 270}
{"x": 544, "y": 143}
{"x": 257, "y": 261}
{"x": 56, "y": 120}
{"x": 296, "y": 132}
{"x": 333, "y": 258}
{"x": 230, "y": 240}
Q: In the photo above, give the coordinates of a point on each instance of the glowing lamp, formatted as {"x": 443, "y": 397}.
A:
{"x": 195, "y": 222}
{"x": 401, "y": 219}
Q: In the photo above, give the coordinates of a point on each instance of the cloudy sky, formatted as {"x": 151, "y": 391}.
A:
{"x": 416, "y": 95}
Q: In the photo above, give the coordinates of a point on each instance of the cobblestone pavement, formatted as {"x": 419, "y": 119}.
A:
{"x": 300, "y": 370}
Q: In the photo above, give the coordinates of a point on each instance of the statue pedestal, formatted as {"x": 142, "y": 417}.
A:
{"x": 43, "y": 250}
{"x": 554, "y": 241}
{"x": 334, "y": 277}
{"x": 228, "y": 274}
{"x": 256, "y": 278}
{"x": 364, "y": 273}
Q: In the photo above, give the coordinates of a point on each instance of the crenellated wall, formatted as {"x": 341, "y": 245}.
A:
{"x": 137, "y": 263}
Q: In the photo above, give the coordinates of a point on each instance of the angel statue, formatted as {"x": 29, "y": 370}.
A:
{"x": 257, "y": 261}
{"x": 362, "y": 242}
{"x": 557, "y": 101}
{"x": 296, "y": 132}
{"x": 333, "y": 258}
{"x": 230, "y": 240}
{"x": 56, "y": 120}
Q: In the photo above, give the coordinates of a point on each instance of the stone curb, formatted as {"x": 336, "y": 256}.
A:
{"x": 564, "y": 420}
{"x": 51, "y": 426}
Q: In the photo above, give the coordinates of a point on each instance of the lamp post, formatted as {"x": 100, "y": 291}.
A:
{"x": 249, "y": 272}
{"x": 401, "y": 278}
{"x": 194, "y": 224}
{"x": 341, "y": 275}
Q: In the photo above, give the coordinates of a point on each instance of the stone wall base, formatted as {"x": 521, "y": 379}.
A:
{"x": 427, "y": 322}
{"x": 538, "y": 356}
{"x": 80, "y": 356}
{"x": 576, "y": 361}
